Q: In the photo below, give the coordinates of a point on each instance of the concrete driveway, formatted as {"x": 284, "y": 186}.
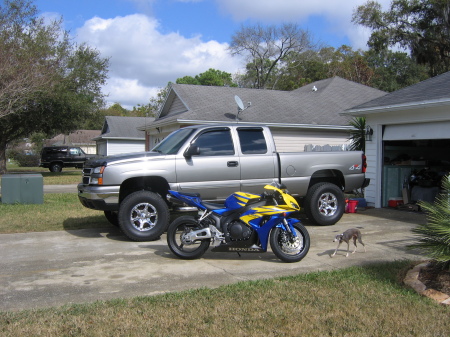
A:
{"x": 56, "y": 268}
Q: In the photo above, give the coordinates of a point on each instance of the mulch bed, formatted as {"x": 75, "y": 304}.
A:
{"x": 435, "y": 278}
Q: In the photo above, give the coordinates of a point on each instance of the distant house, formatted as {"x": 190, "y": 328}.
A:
{"x": 304, "y": 119}
{"x": 408, "y": 151}
{"x": 121, "y": 135}
{"x": 80, "y": 138}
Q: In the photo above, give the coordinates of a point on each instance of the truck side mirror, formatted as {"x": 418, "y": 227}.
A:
{"x": 191, "y": 151}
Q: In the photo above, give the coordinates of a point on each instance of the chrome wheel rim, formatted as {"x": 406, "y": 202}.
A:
{"x": 144, "y": 217}
{"x": 328, "y": 204}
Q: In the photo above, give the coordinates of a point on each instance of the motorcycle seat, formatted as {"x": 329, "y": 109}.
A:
{"x": 212, "y": 206}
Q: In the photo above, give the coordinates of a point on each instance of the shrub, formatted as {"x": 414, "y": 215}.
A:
{"x": 25, "y": 160}
{"x": 434, "y": 236}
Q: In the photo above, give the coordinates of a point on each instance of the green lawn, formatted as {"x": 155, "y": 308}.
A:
{"x": 60, "y": 211}
{"x": 357, "y": 301}
{"x": 68, "y": 176}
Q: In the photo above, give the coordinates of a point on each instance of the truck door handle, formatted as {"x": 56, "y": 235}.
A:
{"x": 232, "y": 163}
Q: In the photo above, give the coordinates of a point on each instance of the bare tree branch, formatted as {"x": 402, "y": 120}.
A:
{"x": 267, "y": 47}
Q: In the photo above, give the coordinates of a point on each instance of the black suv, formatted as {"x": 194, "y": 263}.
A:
{"x": 56, "y": 157}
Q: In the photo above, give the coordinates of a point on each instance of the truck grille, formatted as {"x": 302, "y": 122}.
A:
{"x": 86, "y": 175}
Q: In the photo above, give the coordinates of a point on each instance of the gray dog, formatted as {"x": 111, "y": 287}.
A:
{"x": 348, "y": 235}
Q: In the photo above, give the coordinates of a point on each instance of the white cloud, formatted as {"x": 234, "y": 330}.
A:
{"x": 143, "y": 60}
{"x": 336, "y": 14}
{"x": 128, "y": 92}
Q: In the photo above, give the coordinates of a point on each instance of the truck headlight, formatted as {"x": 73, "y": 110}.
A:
{"x": 97, "y": 181}
{"x": 98, "y": 169}
{"x": 97, "y": 175}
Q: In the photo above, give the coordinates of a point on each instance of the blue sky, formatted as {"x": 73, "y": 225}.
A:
{"x": 151, "y": 42}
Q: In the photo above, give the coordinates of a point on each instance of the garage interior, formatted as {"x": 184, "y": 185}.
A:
{"x": 413, "y": 168}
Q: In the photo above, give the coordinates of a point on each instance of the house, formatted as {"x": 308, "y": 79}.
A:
{"x": 408, "y": 153}
{"x": 80, "y": 138}
{"x": 305, "y": 118}
{"x": 121, "y": 135}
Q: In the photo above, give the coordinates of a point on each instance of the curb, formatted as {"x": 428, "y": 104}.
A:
{"x": 412, "y": 280}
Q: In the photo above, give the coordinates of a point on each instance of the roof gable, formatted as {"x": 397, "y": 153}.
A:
{"x": 124, "y": 127}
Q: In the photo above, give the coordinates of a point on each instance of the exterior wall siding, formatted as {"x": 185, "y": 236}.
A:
{"x": 295, "y": 141}
{"x": 102, "y": 148}
{"x": 155, "y": 136}
{"x": 125, "y": 146}
{"x": 176, "y": 107}
{"x": 89, "y": 149}
{"x": 374, "y": 148}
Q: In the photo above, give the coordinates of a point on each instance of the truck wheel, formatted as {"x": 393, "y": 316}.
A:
{"x": 112, "y": 217}
{"x": 55, "y": 167}
{"x": 324, "y": 204}
{"x": 143, "y": 216}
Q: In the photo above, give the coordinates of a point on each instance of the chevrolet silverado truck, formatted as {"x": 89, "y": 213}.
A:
{"x": 215, "y": 161}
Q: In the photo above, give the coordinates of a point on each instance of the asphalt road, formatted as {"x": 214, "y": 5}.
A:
{"x": 57, "y": 188}
{"x": 55, "y": 268}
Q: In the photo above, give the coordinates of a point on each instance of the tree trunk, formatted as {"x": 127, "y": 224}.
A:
{"x": 2, "y": 157}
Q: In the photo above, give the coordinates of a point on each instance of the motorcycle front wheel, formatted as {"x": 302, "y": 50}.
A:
{"x": 288, "y": 248}
{"x": 176, "y": 234}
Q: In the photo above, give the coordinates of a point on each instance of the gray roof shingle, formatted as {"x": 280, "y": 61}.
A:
{"x": 124, "y": 127}
{"x": 301, "y": 106}
{"x": 77, "y": 137}
{"x": 433, "y": 89}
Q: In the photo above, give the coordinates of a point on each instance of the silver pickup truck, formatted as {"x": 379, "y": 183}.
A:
{"x": 215, "y": 161}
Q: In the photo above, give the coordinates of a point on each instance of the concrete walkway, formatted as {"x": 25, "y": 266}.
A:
{"x": 56, "y": 268}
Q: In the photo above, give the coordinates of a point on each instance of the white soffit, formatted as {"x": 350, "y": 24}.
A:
{"x": 438, "y": 130}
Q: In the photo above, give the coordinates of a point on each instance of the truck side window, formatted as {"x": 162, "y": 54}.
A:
{"x": 252, "y": 141}
{"x": 74, "y": 151}
{"x": 215, "y": 143}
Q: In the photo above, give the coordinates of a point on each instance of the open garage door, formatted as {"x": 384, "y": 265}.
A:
{"x": 416, "y": 157}
{"x": 438, "y": 130}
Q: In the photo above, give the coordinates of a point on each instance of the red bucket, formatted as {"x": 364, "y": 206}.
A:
{"x": 351, "y": 206}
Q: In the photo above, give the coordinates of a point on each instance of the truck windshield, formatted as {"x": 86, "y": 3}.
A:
{"x": 173, "y": 142}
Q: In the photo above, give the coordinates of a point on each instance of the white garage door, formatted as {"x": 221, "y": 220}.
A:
{"x": 438, "y": 130}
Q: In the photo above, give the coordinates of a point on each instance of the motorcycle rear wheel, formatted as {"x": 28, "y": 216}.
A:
{"x": 175, "y": 232}
{"x": 287, "y": 248}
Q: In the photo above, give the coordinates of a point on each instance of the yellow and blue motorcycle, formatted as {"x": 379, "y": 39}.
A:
{"x": 245, "y": 223}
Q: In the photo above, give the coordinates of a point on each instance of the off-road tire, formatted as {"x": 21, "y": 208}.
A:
{"x": 143, "y": 216}
{"x": 324, "y": 204}
{"x": 55, "y": 167}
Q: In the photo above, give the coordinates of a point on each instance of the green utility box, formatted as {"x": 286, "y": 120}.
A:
{"x": 22, "y": 188}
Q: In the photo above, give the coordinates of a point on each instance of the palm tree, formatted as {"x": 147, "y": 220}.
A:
{"x": 358, "y": 134}
{"x": 434, "y": 236}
